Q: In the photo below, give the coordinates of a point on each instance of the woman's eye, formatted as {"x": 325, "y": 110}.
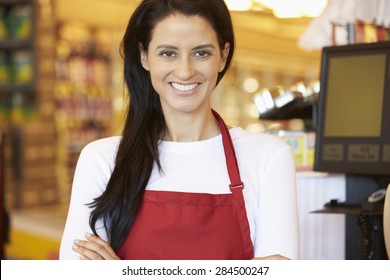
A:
{"x": 202, "y": 54}
{"x": 168, "y": 54}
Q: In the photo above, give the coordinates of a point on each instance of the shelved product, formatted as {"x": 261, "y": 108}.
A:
{"x": 26, "y": 102}
{"x": 83, "y": 93}
{"x": 17, "y": 55}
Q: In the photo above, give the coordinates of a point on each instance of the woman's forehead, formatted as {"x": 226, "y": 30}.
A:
{"x": 182, "y": 28}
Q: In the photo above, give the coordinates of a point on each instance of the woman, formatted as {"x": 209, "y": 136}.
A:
{"x": 179, "y": 184}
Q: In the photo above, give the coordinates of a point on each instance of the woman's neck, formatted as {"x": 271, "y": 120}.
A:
{"x": 191, "y": 127}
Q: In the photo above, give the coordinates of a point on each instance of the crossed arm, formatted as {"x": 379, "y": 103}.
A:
{"x": 95, "y": 248}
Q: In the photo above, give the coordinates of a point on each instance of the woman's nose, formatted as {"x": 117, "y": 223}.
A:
{"x": 184, "y": 69}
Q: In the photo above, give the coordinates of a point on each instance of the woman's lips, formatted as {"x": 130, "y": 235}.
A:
{"x": 184, "y": 88}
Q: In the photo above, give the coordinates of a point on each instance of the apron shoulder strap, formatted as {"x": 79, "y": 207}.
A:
{"x": 236, "y": 187}
{"x": 230, "y": 155}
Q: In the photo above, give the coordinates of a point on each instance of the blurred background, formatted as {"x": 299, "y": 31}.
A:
{"x": 61, "y": 86}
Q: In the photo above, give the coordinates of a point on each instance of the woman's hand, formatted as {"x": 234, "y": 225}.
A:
{"x": 272, "y": 257}
{"x": 94, "y": 248}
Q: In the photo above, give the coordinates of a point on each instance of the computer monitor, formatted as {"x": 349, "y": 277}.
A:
{"x": 353, "y": 129}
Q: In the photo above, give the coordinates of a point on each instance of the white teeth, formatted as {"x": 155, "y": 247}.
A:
{"x": 184, "y": 87}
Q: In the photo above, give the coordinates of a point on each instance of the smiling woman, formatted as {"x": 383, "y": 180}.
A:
{"x": 178, "y": 183}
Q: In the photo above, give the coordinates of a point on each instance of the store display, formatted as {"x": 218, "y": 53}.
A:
{"x": 26, "y": 102}
{"x": 83, "y": 92}
{"x": 17, "y": 53}
{"x": 22, "y": 67}
{"x": 3, "y": 27}
{"x": 19, "y": 22}
{"x": 296, "y": 102}
{"x": 5, "y": 72}
{"x": 302, "y": 146}
{"x": 358, "y": 32}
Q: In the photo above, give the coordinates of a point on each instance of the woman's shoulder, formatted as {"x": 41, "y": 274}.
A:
{"x": 104, "y": 147}
{"x": 256, "y": 140}
{"x": 262, "y": 150}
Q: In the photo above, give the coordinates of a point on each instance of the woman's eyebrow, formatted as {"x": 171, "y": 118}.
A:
{"x": 205, "y": 46}
{"x": 166, "y": 47}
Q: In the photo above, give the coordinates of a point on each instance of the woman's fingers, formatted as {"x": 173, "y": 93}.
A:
{"x": 105, "y": 244}
{"x": 94, "y": 248}
{"x": 86, "y": 251}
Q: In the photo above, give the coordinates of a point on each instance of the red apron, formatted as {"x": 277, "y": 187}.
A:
{"x": 179, "y": 225}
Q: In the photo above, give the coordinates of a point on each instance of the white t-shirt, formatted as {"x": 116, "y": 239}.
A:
{"x": 266, "y": 167}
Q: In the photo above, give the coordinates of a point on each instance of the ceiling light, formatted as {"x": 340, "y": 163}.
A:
{"x": 239, "y": 5}
{"x": 281, "y": 8}
{"x": 251, "y": 85}
{"x": 295, "y": 8}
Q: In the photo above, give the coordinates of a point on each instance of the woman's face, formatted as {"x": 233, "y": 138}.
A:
{"x": 184, "y": 59}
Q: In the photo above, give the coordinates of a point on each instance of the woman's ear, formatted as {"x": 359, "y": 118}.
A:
{"x": 144, "y": 57}
{"x": 224, "y": 56}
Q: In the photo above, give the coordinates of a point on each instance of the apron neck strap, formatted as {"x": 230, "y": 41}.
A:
{"x": 230, "y": 155}
{"x": 236, "y": 187}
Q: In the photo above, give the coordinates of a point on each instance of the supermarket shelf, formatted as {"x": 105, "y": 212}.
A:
{"x": 15, "y": 87}
{"x": 15, "y": 44}
{"x": 15, "y": 2}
